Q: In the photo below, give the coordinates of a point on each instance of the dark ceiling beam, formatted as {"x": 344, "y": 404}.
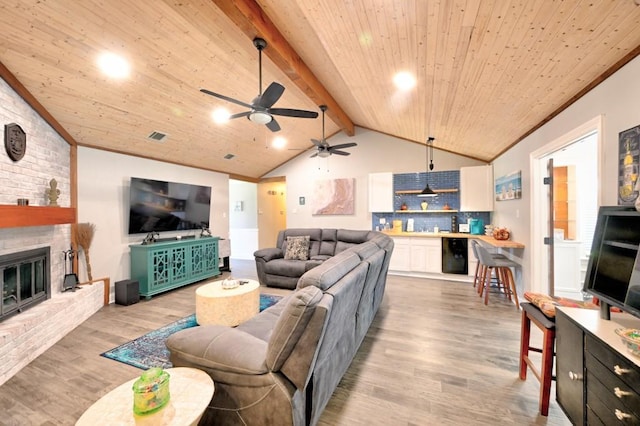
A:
{"x": 252, "y": 20}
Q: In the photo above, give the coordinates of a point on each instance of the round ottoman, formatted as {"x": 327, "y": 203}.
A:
{"x": 217, "y": 305}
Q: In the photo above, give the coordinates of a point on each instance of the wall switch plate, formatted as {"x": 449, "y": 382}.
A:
{"x": 383, "y": 221}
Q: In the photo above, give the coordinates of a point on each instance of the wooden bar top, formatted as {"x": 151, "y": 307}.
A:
{"x": 484, "y": 238}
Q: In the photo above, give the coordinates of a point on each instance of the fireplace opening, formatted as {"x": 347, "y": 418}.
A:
{"x": 25, "y": 280}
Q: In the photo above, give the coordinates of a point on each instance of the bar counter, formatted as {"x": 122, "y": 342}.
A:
{"x": 484, "y": 238}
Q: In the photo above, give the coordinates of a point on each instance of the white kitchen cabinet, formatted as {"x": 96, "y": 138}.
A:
{"x": 380, "y": 192}
{"x": 401, "y": 257}
{"x": 428, "y": 256}
{"x": 471, "y": 260}
{"x": 476, "y": 189}
{"x": 417, "y": 255}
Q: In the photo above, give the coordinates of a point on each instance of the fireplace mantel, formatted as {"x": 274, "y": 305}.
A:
{"x": 19, "y": 216}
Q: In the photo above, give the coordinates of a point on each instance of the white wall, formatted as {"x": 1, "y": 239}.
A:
{"x": 375, "y": 152}
{"x": 103, "y": 199}
{"x": 616, "y": 99}
{"x": 243, "y": 225}
{"x": 247, "y": 193}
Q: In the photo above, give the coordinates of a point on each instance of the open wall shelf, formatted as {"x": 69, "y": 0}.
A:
{"x": 427, "y": 211}
{"x": 417, "y": 191}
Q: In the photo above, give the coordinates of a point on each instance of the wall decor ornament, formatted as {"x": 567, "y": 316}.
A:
{"x": 15, "y": 141}
{"x": 509, "y": 187}
{"x": 53, "y": 192}
{"x": 628, "y": 157}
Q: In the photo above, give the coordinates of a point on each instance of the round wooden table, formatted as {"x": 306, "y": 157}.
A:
{"x": 191, "y": 391}
{"x": 217, "y": 305}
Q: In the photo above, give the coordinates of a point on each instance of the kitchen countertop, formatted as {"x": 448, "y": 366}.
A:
{"x": 489, "y": 240}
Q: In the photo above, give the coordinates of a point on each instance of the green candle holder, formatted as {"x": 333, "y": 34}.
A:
{"x": 151, "y": 391}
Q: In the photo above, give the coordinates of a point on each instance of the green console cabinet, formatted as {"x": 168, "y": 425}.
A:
{"x": 166, "y": 265}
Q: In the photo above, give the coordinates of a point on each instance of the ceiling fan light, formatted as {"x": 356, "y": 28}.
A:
{"x": 324, "y": 153}
{"x": 427, "y": 192}
{"x": 260, "y": 117}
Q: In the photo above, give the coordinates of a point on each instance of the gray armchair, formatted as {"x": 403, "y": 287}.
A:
{"x": 260, "y": 368}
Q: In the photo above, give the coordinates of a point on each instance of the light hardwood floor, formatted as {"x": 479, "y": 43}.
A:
{"x": 434, "y": 355}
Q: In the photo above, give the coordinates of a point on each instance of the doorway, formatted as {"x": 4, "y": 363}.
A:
{"x": 272, "y": 210}
{"x": 577, "y": 164}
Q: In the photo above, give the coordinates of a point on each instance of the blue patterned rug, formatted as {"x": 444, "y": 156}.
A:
{"x": 149, "y": 350}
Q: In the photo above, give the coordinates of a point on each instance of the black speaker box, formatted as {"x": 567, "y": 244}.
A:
{"x": 127, "y": 292}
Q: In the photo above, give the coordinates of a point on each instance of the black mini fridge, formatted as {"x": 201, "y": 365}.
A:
{"x": 454, "y": 256}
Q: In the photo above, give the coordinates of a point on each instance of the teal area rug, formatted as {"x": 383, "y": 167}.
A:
{"x": 149, "y": 350}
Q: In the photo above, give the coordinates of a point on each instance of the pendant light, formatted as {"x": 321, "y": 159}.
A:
{"x": 428, "y": 192}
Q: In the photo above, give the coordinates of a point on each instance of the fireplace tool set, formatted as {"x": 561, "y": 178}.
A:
{"x": 70, "y": 279}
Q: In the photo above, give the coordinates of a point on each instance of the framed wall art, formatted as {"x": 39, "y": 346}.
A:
{"x": 628, "y": 153}
{"x": 509, "y": 187}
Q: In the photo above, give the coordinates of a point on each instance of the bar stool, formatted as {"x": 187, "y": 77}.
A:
{"x": 479, "y": 267}
{"x": 502, "y": 268}
{"x": 531, "y": 313}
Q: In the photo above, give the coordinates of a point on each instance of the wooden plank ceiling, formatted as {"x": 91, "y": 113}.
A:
{"x": 488, "y": 71}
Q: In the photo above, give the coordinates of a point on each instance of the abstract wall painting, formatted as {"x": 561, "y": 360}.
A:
{"x": 334, "y": 197}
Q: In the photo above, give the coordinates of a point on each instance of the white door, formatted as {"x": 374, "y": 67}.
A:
{"x": 579, "y": 148}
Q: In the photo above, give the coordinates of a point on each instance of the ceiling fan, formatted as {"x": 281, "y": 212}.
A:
{"x": 260, "y": 108}
{"x": 324, "y": 149}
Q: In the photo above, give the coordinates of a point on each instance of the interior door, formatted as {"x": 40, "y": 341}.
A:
{"x": 548, "y": 240}
{"x": 272, "y": 210}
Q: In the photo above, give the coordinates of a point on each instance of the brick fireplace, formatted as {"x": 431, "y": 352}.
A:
{"x": 27, "y": 334}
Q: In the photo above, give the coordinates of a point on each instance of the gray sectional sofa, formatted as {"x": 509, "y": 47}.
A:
{"x": 282, "y": 366}
{"x": 275, "y": 269}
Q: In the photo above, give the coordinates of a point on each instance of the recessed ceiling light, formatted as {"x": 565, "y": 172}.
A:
{"x": 279, "y": 142}
{"x": 220, "y": 115}
{"x": 404, "y": 80}
{"x": 113, "y": 65}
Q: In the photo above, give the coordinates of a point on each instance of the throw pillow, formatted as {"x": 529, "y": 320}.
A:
{"x": 297, "y": 248}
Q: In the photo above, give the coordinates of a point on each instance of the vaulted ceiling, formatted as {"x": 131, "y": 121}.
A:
{"x": 488, "y": 71}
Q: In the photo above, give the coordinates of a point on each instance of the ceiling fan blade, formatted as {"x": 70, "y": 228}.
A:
{"x": 333, "y": 151}
{"x": 226, "y": 98}
{"x": 315, "y": 154}
{"x": 316, "y": 142}
{"x": 273, "y": 125}
{"x": 240, "y": 114}
{"x": 299, "y": 113}
{"x": 271, "y": 95}
{"x": 344, "y": 145}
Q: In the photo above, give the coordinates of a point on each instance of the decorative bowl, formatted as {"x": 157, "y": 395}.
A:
{"x": 501, "y": 233}
{"x": 230, "y": 284}
{"x": 631, "y": 338}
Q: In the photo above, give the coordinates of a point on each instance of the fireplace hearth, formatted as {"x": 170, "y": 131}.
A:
{"x": 25, "y": 280}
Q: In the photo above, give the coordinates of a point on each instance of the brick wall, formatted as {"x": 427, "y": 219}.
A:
{"x": 47, "y": 157}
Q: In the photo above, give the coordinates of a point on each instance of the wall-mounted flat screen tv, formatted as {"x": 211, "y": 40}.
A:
{"x": 157, "y": 206}
{"x": 613, "y": 271}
